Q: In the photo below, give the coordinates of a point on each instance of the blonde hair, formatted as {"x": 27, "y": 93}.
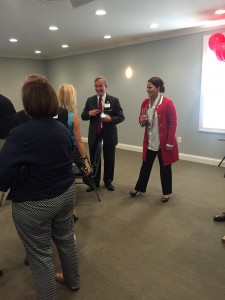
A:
{"x": 67, "y": 97}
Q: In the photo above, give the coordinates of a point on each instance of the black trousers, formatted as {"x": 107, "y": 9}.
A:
{"x": 109, "y": 161}
{"x": 165, "y": 173}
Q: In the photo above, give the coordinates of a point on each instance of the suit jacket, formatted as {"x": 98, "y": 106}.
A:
{"x": 109, "y": 130}
{"x": 7, "y": 112}
{"x": 167, "y": 122}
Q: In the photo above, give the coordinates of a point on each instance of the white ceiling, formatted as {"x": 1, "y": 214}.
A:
{"x": 127, "y": 21}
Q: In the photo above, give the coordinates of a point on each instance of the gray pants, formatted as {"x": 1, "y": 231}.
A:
{"x": 36, "y": 223}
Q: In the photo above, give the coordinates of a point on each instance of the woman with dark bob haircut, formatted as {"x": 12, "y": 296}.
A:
{"x": 39, "y": 98}
{"x": 36, "y": 164}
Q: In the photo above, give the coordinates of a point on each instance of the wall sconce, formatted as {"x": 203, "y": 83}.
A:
{"x": 129, "y": 72}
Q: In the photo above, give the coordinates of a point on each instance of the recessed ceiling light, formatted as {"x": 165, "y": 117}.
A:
{"x": 13, "y": 40}
{"x": 65, "y": 46}
{"x": 37, "y": 51}
{"x": 100, "y": 12}
{"x": 107, "y": 37}
{"x": 220, "y": 11}
{"x": 154, "y": 25}
{"x": 53, "y": 28}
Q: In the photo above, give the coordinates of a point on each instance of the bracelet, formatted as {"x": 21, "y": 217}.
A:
{"x": 85, "y": 157}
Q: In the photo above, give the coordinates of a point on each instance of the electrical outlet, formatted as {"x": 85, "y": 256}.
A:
{"x": 179, "y": 139}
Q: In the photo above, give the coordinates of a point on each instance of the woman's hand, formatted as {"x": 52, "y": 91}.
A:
{"x": 169, "y": 147}
{"x": 143, "y": 120}
{"x": 87, "y": 167}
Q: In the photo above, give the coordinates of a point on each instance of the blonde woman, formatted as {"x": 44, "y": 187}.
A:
{"x": 68, "y": 99}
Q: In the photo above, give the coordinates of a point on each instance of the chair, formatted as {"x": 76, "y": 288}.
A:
{"x": 3, "y": 196}
{"x": 83, "y": 179}
{"x": 223, "y": 140}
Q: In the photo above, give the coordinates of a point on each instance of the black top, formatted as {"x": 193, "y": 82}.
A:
{"x": 43, "y": 146}
{"x": 7, "y": 111}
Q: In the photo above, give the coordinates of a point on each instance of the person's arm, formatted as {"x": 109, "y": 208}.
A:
{"x": 11, "y": 157}
{"x": 172, "y": 125}
{"x": 79, "y": 142}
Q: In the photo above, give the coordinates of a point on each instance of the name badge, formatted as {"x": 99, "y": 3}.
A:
{"x": 107, "y": 105}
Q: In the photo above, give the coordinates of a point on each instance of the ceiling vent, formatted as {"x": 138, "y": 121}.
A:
{"x": 77, "y": 3}
{"x": 67, "y": 3}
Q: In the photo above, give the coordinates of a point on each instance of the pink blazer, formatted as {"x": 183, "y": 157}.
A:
{"x": 167, "y": 123}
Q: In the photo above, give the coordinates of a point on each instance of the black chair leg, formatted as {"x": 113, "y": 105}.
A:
{"x": 221, "y": 161}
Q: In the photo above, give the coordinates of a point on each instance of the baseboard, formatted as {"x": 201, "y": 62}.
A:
{"x": 183, "y": 156}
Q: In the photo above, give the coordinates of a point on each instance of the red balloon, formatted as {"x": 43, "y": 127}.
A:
{"x": 220, "y": 52}
{"x": 215, "y": 40}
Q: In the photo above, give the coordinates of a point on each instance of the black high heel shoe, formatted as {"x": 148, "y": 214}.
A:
{"x": 165, "y": 198}
{"x": 134, "y": 194}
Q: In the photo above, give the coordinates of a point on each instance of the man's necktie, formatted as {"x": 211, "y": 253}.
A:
{"x": 99, "y": 118}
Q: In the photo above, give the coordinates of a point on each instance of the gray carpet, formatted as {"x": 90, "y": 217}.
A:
{"x": 137, "y": 248}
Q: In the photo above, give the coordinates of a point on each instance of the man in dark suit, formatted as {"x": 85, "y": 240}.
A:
{"x": 7, "y": 112}
{"x": 104, "y": 113}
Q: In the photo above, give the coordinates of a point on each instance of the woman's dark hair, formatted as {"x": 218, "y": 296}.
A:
{"x": 157, "y": 82}
{"x": 39, "y": 98}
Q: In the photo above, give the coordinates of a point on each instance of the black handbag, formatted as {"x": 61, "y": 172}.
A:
{"x": 78, "y": 160}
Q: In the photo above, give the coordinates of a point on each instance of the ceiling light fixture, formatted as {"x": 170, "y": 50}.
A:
{"x": 12, "y": 40}
{"x": 154, "y": 25}
{"x": 220, "y": 12}
{"x": 100, "y": 12}
{"x": 65, "y": 46}
{"x": 37, "y": 51}
{"x": 107, "y": 37}
{"x": 53, "y": 28}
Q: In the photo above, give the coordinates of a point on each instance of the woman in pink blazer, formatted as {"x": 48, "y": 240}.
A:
{"x": 158, "y": 116}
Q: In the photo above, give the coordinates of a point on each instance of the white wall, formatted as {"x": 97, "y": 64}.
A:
{"x": 13, "y": 71}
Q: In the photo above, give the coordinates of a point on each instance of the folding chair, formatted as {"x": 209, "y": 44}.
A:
{"x": 85, "y": 179}
{"x": 3, "y": 196}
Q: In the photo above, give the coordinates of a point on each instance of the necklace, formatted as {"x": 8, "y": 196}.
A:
{"x": 151, "y": 123}
{"x": 151, "y": 102}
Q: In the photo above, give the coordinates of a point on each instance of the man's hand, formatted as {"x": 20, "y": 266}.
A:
{"x": 107, "y": 119}
{"x": 94, "y": 112}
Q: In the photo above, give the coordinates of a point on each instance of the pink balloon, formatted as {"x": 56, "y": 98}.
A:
{"x": 220, "y": 52}
{"x": 215, "y": 40}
